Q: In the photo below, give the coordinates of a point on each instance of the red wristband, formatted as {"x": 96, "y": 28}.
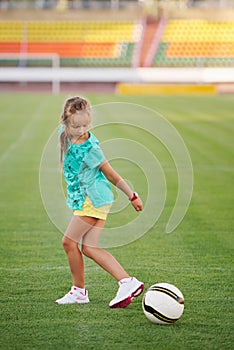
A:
{"x": 134, "y": 196}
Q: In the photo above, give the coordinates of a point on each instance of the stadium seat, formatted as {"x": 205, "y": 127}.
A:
{"x": 113, "y": 43}
{"x": 77, "y": 43}
{"x": 196, "y": 43}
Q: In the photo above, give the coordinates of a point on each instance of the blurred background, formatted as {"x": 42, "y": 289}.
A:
{"x": 121, "y": 46}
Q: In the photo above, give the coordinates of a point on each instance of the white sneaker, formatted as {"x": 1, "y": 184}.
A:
{"x": 74, "y": 297}
{"x": 128, "y": 289}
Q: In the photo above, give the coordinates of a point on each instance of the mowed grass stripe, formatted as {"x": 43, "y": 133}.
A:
{"x": 209, "y": 144}
{"x": 216, "y": 137}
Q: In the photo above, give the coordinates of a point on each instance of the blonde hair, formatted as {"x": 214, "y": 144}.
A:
{"x": 72, "y": 106}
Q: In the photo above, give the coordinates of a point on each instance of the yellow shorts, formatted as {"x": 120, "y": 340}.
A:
{"x": 89, "y": 210}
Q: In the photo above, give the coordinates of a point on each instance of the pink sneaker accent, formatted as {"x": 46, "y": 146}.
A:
{"x": 128, "y": 290}
{"x": 122, "y": 304}
{"x": 74, "y": 297}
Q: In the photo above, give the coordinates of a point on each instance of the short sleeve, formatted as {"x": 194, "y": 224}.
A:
{"x": 95, "y": 157}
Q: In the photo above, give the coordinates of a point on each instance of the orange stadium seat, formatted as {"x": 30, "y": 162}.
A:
{"x": 10, "y": 47}
{"x": 70, "y": 49}
{"x": 200, "y": 49}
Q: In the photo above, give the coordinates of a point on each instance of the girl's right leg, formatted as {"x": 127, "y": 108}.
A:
{"x": 77, "y": 228}
{"x": 75, "y": 260}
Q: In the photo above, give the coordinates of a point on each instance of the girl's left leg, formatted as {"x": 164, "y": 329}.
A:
{"x": 129, "y": 287}
{"x": 103, "y": 258}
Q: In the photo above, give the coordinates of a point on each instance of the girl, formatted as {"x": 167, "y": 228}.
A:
{"x": 89, "y": 195}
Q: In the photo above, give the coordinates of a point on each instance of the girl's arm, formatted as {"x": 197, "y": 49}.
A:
{"x": 119, "y": 182}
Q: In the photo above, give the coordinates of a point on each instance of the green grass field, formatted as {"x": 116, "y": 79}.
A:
{"x": 196, "y": 257}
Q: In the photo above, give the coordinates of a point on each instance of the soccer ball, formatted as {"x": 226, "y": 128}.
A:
{"x": 163, "y": 303}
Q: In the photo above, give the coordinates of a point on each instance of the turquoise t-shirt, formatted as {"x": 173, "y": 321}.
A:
{"x": 83, "y": 176}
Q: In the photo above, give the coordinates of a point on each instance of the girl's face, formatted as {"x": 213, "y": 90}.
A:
{"x": 79, "y": 125}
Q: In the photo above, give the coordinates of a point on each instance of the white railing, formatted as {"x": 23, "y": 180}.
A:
{"x": 23, "y": 57}
{"x": 58, "y": 75}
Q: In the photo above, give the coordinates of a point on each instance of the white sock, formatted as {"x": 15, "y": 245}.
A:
{"x": 125, "y": 280}
{"x": 78, "y": 290}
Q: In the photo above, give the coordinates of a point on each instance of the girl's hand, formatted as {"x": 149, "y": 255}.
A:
{"x": 137, "y": 204}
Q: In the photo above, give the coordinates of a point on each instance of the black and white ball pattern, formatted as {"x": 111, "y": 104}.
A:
{"x": 163, "y": 303}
